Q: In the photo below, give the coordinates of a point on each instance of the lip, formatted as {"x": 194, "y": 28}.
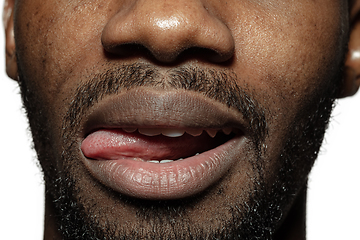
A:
{"x": 171, "y": 109}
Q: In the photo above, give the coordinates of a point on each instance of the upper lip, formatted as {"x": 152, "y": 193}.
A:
{"x": 150, "y": 108}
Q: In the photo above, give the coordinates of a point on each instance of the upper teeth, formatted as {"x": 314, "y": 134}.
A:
{"x": 174, "y": 132}
{"x": 164, "y": 131}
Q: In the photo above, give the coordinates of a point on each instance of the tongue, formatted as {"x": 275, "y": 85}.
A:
{"x": 113, "y": 144}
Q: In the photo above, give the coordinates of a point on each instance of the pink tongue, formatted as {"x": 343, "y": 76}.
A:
{"x": 112, "y": 144}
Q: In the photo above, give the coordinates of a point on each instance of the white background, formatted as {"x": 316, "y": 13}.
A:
{"x": 334, "y": 191}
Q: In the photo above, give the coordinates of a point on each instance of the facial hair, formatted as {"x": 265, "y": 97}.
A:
{"x": 257, "y": 218}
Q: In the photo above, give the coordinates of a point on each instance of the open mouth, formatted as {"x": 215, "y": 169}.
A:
{"x": 154, "y": 145}
{"x": 145, "y": 144}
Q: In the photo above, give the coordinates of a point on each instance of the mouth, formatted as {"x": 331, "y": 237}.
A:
{"x": 160, "y": 149}
{"x": 155, "y": 145}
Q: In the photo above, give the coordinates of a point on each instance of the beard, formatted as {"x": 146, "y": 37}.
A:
{"x": 83, "y": 216}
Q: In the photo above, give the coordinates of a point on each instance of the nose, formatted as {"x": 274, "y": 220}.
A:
{"x": 167, "y": 29}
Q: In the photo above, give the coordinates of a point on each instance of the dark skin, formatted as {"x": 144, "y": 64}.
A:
{"x": 283, "y": 54}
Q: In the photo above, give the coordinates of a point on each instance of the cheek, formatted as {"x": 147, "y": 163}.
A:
{"x": 290, "y": 51}
{"x": 56, "y": 42}
{"x": 287, "y": 59}
{"x": 54, "y": 45}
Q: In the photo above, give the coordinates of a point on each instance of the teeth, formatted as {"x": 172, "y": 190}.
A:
{"x": 166, "y": 161}
{"x": 162, "y": 161}
{"x": 227, "y": 131}
{"x": 211, "y": 132}
{"x": 194, "y": 132}
{"x": 150, "y": 131}
{"x": 129, "y": 130}
{"x": 172, "y": 132}
{"x": 169, "y": 132}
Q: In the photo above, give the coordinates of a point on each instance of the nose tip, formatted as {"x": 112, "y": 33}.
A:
{"x": 168, "y": 29}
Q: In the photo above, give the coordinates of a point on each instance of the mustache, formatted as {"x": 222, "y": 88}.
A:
{"x": 215, "y": 84}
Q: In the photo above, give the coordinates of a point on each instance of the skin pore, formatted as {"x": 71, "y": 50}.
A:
{"x": 274, "y": 64}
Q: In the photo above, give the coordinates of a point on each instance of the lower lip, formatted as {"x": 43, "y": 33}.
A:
{"x": 165, "y": 181}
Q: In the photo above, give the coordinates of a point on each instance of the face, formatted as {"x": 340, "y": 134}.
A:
{"x": 177, "y": 119}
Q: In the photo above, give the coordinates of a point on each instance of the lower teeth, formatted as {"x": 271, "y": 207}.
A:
{"x": 154, "y": 161}
{"x": 161, "y": 161}
{"x": 166, "y": 160}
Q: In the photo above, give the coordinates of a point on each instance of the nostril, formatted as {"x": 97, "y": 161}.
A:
{"x": 126, "y": 50}
{"x": 202, "y": 54}
{"x": 206, "y": 54}
{"x": 130, "y": 50}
